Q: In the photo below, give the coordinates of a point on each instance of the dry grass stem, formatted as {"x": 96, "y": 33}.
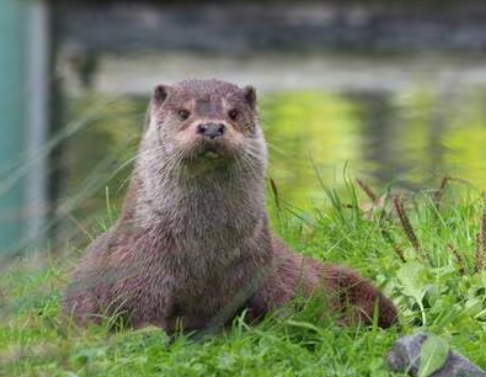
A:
{"x": 438, "y": 194}
{"x": 459, "y": 180}
{"x": 398, "y": 250}
{"x": 396, "y": 247}
{"x": 480, "y": 255}
{"x": 459, "y": 259}
{"x": 478, "y": 261}
{"x": 481, "y": 246}
{"x": 276, "y": 196}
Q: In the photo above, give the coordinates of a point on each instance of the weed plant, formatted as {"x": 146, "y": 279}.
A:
{"x": 425, "y": 250}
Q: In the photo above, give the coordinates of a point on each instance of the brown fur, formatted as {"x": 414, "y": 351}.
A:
{"x": 192, "y": 246}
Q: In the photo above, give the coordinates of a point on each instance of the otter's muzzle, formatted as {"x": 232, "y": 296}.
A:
{"x": 211, "y": 130}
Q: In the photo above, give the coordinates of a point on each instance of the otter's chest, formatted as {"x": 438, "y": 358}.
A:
{"x": 190, "y": 275}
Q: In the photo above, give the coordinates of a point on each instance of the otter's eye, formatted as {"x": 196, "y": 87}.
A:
{"x": 183, "y": 114}
{"x": 233, "y": 114}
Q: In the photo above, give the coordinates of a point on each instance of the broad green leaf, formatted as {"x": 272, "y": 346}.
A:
{"x": 413, "y": 277}
{"x": 433, "y": 355}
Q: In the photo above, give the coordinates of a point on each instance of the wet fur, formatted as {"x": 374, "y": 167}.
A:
{"x": 192, "y": 246}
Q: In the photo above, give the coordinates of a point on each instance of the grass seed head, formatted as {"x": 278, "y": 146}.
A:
{"x": 367, "y": 190}
{"x": 407, "y": 226}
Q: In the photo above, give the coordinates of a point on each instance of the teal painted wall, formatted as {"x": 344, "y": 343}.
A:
{"x": 13, "y": 119}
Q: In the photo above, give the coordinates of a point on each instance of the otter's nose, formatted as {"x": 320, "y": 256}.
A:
{"x": 211, "y": 130}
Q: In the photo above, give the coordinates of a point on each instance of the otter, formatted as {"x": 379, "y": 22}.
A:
{"x": 192, "y": 246}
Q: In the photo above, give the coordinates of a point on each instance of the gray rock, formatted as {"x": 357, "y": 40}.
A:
{"x": 405, "y": 357}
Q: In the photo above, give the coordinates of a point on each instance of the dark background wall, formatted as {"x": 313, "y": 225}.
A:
{"x": 238, "y": 27}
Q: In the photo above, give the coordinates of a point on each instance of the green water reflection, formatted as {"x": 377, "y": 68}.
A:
{"x": 411, "y": 139}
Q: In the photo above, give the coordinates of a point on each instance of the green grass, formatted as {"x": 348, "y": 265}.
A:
{"x": 431, "y": 292}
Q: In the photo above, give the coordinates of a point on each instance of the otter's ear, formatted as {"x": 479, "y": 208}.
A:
{"x": 160, "y": 94}
{"x": 250, "y": 96}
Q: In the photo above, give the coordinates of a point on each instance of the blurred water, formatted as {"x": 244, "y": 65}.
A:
{"x": 407, "y": 121}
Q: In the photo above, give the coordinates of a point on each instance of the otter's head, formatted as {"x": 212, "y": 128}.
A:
{"x": 204, "y": 127}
